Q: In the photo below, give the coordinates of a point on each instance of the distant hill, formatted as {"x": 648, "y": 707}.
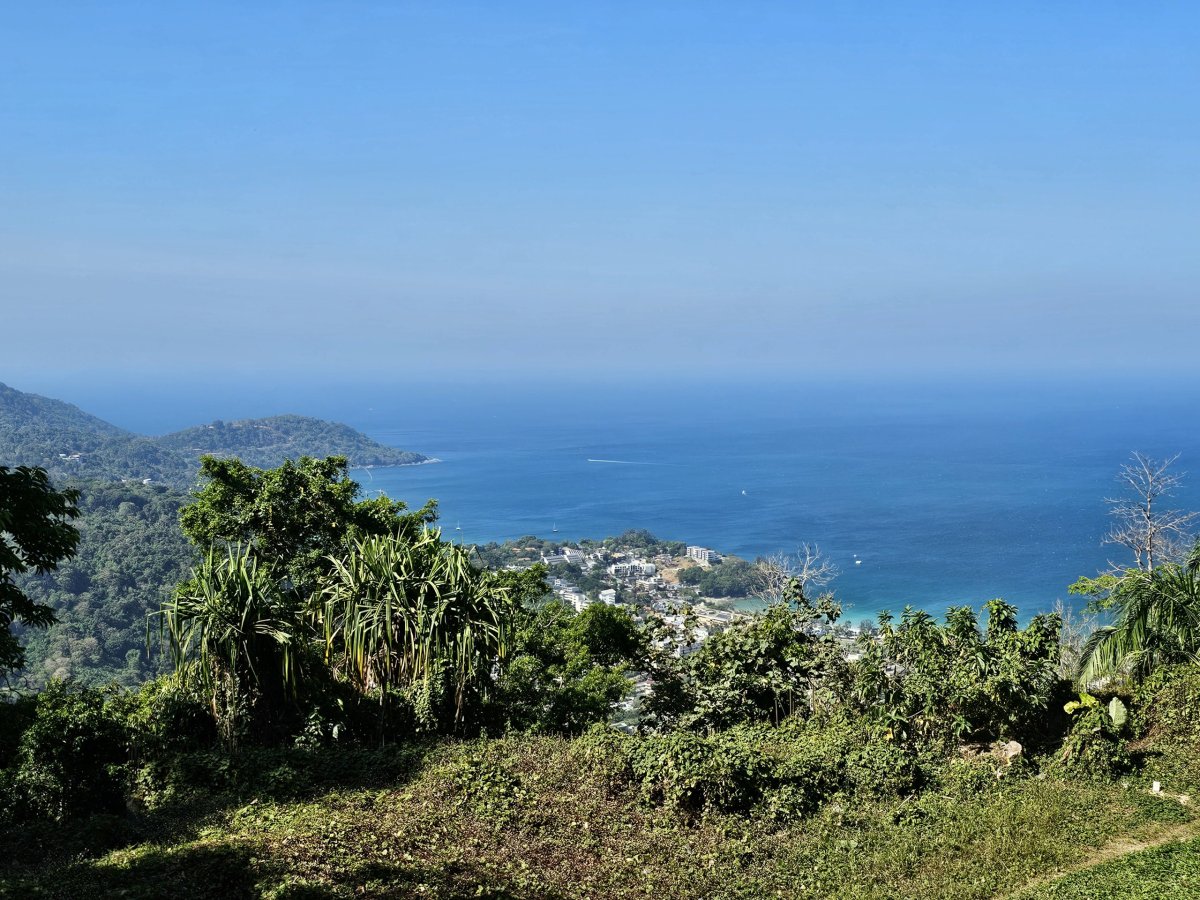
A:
{"x": 266, "y": 442}
{"x": 73, "y": 445}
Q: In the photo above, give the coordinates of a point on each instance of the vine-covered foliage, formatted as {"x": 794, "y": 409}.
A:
{"x": 777, "y": 665}
{"x": 1167, "y": 707}
{"x": 929, "y": 683}
{"x": 565, "y": 671}
{"x": 1095, "y": 745}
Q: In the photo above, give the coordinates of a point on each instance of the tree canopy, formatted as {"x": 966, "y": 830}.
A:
{"x": 35, "y": 535}
{"x": 296, "y": 515}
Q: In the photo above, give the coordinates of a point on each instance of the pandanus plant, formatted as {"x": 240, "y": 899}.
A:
{"x": 402, "y": 612}
{"x": 236, "y": 628}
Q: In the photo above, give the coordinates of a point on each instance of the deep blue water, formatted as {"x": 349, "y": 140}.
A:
{"x": 949, "y": 494}
{"x": 950, "y": 497}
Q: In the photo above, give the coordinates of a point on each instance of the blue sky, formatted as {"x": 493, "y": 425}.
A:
{"x": 586, "y": 190}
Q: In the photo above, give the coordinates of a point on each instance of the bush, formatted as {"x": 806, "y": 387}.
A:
{"x": 692, "y": 774}
{"x": 15, "y": 718}
{"x": 933, "y": 684}
{"x": 781, "y": 772}
{"x": 604, "y": 753}
{"x": 488, "y": 787}
{"x": 880, "y": 768}
{"x": 566, "y": 670}
{"x": 166, "y": 715}
{"x": 71, "y": 758}
{"x": 1166, "y": 707}
{"x": 1094, "y": 747}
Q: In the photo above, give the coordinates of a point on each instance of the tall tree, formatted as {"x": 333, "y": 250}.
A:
{"x": 36, "y": 534}
{"x": 294, "y": 516}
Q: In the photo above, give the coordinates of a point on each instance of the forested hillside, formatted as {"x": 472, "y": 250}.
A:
{"x": 266, "y": 442}
{"x": 74, "y": 446}
{"x": 131, "y": 555}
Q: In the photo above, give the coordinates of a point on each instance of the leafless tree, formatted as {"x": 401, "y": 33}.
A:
{"x": 1153, "y": 534}
{"x": 1076, "y": 629}
{"x": 807, "y": 568}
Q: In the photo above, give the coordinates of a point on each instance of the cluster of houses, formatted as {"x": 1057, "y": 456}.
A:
{"x": 631, "y": 578}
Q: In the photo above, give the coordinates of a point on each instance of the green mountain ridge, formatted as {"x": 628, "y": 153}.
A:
{"x": 266, "y": 442}
{"x": 73, "y": 445}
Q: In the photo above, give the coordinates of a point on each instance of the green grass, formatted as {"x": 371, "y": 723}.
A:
{"x": 1169, "y": 872}
{"x": 524, "y": 817}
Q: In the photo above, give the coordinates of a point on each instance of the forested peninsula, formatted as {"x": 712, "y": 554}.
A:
{"x": 72, "y": 445}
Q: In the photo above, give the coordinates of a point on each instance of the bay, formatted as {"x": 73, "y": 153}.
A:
{"x": 947, "y": 494}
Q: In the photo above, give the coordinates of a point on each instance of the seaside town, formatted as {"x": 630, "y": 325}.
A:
{"x": 689, "y": 591}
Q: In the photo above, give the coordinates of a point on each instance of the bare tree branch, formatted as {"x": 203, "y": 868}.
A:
{"x": 807, "y": 568}
{"x": 1072, "y": 638}
{"x": 1153, "y": 535}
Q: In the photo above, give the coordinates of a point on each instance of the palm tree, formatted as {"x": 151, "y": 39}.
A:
{"x": 1157, "y": 623}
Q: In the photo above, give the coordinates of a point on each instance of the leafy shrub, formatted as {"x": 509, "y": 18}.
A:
{"x": 604, "y": 753}
{"x": 931, "y": 684}
{"x": 692, "y": 774}
{"x": 15, "y": 717}
{"x": 1167, "y": 707}
{"x": 766, "y": 669}
{"x": 781, "y": 772}
{"x": 488, "y": 788}
{"x": 71, "y": 758}
{"x": 1094, "y": 747}
{"x": 166, "y": 715}
{"x": 881, "y": 768}
{"x": 566, "y": 670}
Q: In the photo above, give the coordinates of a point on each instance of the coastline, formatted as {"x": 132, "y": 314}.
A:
{"x": 423, "y": 462}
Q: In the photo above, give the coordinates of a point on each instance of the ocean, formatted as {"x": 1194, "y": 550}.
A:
{"x": 947, "y": 493}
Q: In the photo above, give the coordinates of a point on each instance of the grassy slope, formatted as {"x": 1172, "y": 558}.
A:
{"x": 525, "y": 818}
{"x": 1167, "y": 872}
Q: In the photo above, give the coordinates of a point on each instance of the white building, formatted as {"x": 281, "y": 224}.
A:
{"x": 609, "y": 597}
{"x": 569, "y": 593}
{"x": 636, "y": 569}
{"x": 703, "y": 555}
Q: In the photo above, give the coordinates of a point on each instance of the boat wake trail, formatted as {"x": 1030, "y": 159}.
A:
{"x": 619, "y": 462}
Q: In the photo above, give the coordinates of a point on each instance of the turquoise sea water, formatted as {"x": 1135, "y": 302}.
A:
{"x": 949, "y": 493}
